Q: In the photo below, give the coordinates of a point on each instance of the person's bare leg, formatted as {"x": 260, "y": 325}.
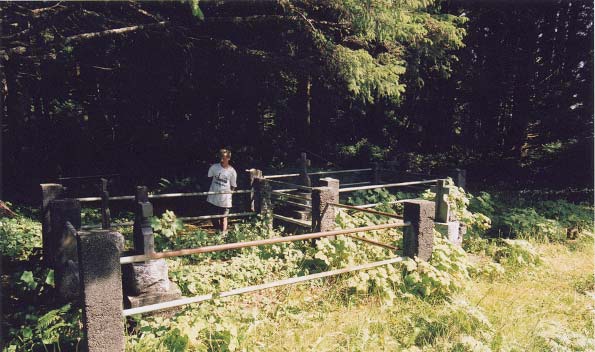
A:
{"x": 224, "y": 224}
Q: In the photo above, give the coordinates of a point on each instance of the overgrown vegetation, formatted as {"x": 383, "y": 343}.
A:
{"x": 411, "y": 305}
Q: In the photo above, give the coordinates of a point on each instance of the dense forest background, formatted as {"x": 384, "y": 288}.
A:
{"x": 153, "y": 89}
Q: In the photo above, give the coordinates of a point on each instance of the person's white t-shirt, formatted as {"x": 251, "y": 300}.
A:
{"x": 223, "y": 180}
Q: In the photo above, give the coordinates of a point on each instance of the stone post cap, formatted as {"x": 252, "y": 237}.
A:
{"x": 117, "y": 237}
{"x": 145, "y": 209}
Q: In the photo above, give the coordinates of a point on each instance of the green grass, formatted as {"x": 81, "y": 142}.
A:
{"x": 525, "y": 310}
{"x": 522, "y": 306}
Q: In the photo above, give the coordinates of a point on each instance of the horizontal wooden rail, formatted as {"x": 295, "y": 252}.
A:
{"x": 183, "y": 218}
{"x": 372, "y": 205}
{"x": 388, "y": 185}
{"x": 376, "y": 243}
{"x": 339, "y": 171}
{"x": 164, "y": 195}
{"x": 195, "y": 194}
{"x": 113, "y": 225}
{"x": 304, "y": 188}
{"x": 281, "y": 195}
{"x": 363, "y": 210}
{"x": 299, "y": 205}
{"x": 97, "y": 199}
{"x": 238, "y": 291}
{"x": 206, "y": 217}
{"x": 268, "y": 177}
{"x": 86, "y": 177}
{"x": 303, "y": 223}
{"x": 409, "y": 173}
{"x": 356, "y": 183}
{"x": 238, "y": 245}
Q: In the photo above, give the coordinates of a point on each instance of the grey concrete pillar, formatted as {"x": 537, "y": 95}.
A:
{"x": 57, "y": 248}
{"x": 101, "y": 288}
{"x": 376, "y": 173}
{"x": 148, "y": 282}
{"x": 418, "y": 238}
{"x": 332, "y": 183}
{"x": 262, "y": 197}
{"x": 254, "y": 173}
{"x": 49, "y": 192}
{"x": 105, "y": 212}
{"x": 442, "y": 191}
{"x": 61, "y": 252}
{"x": 304, "y": 178}
{"x": 143, "y": 239}
{"x": 459, "y": 177}
{"x": 323, "y": 215}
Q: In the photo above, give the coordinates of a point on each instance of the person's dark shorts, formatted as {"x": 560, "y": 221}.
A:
{"x": 215, "y": 210}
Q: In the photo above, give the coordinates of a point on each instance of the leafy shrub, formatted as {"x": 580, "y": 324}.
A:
{"x": 484, "y": 203}
{"x": 90, "y": 216}
{"x": 166, "y": 228}
{"x": 58, "y": 327}
{"x": 514, "y": 253}
{"x": 525, "y": 223}
{"x": 207, "y": 327}
{"x": 446, "y": 273}
{"x": 568, "y": 215}
{"x": 19, "y": 237}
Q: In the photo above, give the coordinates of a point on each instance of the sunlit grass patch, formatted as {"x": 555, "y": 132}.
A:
{"x": 518, "y": 306}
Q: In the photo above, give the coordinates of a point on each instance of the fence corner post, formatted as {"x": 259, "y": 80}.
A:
{"x": 459, "y": 177}
{"x": 101, "y": 288}
{"x": 49, "y": 192}
{"x": 254, "y": 173}
{"x": 323, "y": 214}
{"x": 143, "y": 238}
{"x": 262, "y": 197}
{"x": 105, "y": 212}
{"x": 60, "y": 252}
{"x": 418, "y": 238}
{"x": 376, "y": 173}
{"x": 442, "y": 212}
{"x": 304, "y": 178}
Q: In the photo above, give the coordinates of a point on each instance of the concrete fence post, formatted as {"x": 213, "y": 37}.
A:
{"x": 143, "y": 239}
{"x": 418, "y": 238}
{"x": 323, "y": 215}
{"x": 262, "y": 197}
{"x": 376, "y": 173}
{"x": 49, "y": 192}
{"x": 304, "y": 178}
{"x": 446, "y": 221}
{"x": 105, "y": 212}
{"x": 442, "y": 190}
{"x": 147, "y": 282}
{"x": 61, "y": 252}
{"x": 101, "y": 288}
{"x": 56, "y": 246}
{"x": 459, "y": 177}
{"x": 254, "y": 173}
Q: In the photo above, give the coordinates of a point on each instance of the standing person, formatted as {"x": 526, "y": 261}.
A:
{"x": 224, "y": 180}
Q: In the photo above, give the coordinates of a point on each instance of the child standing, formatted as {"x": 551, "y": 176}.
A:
{"x": 224, "y": 180}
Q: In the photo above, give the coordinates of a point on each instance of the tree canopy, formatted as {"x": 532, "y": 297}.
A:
{"x": 151, "y": 89}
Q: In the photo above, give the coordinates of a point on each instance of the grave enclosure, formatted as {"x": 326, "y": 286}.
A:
{"x": 93, "y": 268}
